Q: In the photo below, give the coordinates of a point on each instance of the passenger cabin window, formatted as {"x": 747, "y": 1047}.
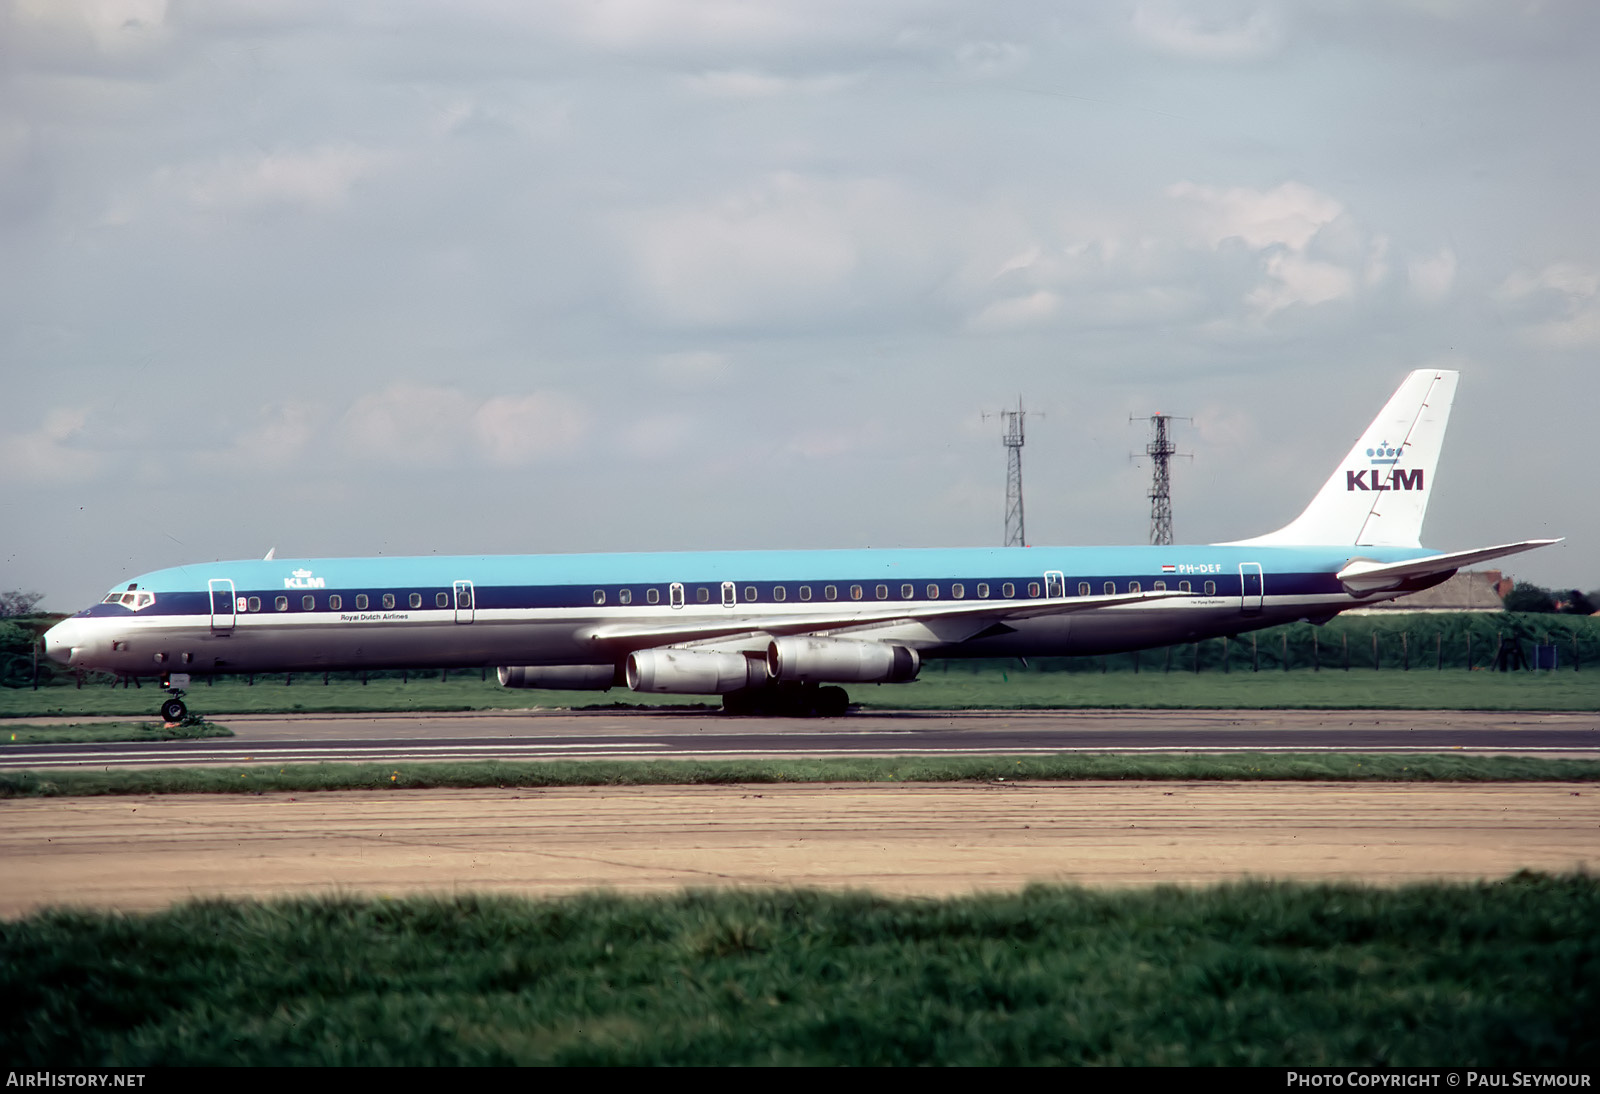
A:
{"x": 1033, "y": 588}
{"x": 907, "y": 592}
{"x": 1110, "y": 588}
{"x": 958, "y": 590}
{"x": 855, "y": 592}
{"x": 779, "y": 593}
{"x": 308, "y": 603}
{"x": 830, "y": 592}
{"x": 1184, "y": 587}
{"x": 335, "y": 602}
{"x": 983, "y": 590}
{"x": 361, "y": 602}
{"x": 749, "y": 593}
{"x": 255, "y": 603}
{"x": 388, "y": 600}
{"x": 1083, "y": 588}
{"x": 652, "y": 596}
{"x": 415, "y": 600}
{"x": 805, "y": 592}
{"x": 1133, "y": 586}
{"x": 1008, "y": 590}
{"x": 703, "y": 595}
{"x": 883, "y": 592}
{"x": 933, "y": 591}
{"x": 282, "y": 603}
{"x": 625, "y": 596}
{"x": 1160, "y": 586}
{"x": 599, "y": 596}
{"x": 1211, "y": 588}
{"x": 441, "y": 600}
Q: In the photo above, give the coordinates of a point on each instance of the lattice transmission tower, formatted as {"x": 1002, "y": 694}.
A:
{"x": 1012, "y": 439}
{"x": 1160, "y": 450}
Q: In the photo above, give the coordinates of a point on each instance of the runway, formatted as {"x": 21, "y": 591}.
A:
{"x": 930, "y": 840}
{"x": 694, "y": 734}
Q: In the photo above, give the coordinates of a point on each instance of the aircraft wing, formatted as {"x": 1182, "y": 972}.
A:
{"x": 1363, "y": 575}
{"x": 923, "y": 626}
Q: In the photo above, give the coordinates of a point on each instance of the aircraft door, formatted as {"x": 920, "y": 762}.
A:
{"x": 1055, "y": 585}
{"x": 1252, "y": 587}
{"x": 675, "y": 594}
{"x": 223, "y": 606}
{"x": 728, "y": 598}
{"x": 465, "y": 602}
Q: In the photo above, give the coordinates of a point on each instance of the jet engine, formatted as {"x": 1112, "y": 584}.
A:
{"x": 841, "y": 660}
{"x": 558, "y": 677}
{"x": 694, "y": 672}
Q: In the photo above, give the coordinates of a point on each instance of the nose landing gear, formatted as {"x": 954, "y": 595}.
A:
{"x": 173, "y": 711}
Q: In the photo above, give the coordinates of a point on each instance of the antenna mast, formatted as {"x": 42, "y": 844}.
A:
{"x": 1161, "y": 449}
{"x": 1012, "y": 439}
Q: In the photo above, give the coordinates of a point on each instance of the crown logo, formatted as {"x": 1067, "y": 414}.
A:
{"x": 1385, "y": 454}
{"x": 307, "y": 573}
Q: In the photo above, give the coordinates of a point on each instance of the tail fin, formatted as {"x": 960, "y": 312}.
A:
{"x": 1379, "y": 493}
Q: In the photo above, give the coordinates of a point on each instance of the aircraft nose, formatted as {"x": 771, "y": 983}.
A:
{"x": 59, "y": 641}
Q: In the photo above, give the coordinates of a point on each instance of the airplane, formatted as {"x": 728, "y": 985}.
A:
{"x": 777, "y": 632}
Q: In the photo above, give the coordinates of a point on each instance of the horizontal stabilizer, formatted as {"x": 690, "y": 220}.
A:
{"x": 1366, "y": 576}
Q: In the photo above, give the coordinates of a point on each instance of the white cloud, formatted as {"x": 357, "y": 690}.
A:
{"x": 109, "y": 26}
{"x": 986, "y": 60}
{"x": 316, "y": 178}
{"x": 1203, "y": 32}
{"x": 417, "y": 425}
{"x": 514, "y": 430}
{"x": 776, "y": 251}
{"x": 1296, "y": 279}
{"x": 279, "y": 437}
{"x": 1018, "y": 311}
{"x": 49, "y": 453}
{"x": 1310, "y": 250}
{"x": 693, "y": 368}
{"x": 1559, "y": 306}
{"x": 752, "y": 84}
{"x": 1432, "y": 277}
{"x": 409, "y": 424}
{"x": 1290, "y": 214}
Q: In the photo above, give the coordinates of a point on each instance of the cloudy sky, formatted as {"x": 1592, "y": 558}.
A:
{"x": 372, "y": 276}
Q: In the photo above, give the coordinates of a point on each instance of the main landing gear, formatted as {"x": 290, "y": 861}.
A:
{"x": 788, "y": 701}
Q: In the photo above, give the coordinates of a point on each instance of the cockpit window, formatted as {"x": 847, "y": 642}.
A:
{"x": 136, "y": 601}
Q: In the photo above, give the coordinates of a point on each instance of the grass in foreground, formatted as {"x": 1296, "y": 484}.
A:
{"x": 1244, "y": 767}
{"x": 24, "y": 734}
{"x": 1489, "y": 975}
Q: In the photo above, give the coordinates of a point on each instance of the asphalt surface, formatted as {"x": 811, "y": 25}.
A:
{"x": 699, "y": 734}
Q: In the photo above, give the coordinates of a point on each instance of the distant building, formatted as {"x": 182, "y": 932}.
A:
{"x": 1467, "y": 591}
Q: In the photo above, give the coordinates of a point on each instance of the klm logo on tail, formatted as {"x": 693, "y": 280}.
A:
{"x": 1374, "y": 480}
{"x": 1383, "y": 456}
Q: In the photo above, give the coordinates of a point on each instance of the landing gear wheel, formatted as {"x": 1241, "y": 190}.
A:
{"x": 173, "y": 710}
{"x": 739, "y": 702}
{"x": 832, "y": 702}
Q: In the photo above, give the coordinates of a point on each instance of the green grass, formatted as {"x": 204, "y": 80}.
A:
{"x": 1497, "y": 975}
{"x": 961, "y": 685}
{"x": 23, "y": 734}
{"x": 292, "y": 778}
